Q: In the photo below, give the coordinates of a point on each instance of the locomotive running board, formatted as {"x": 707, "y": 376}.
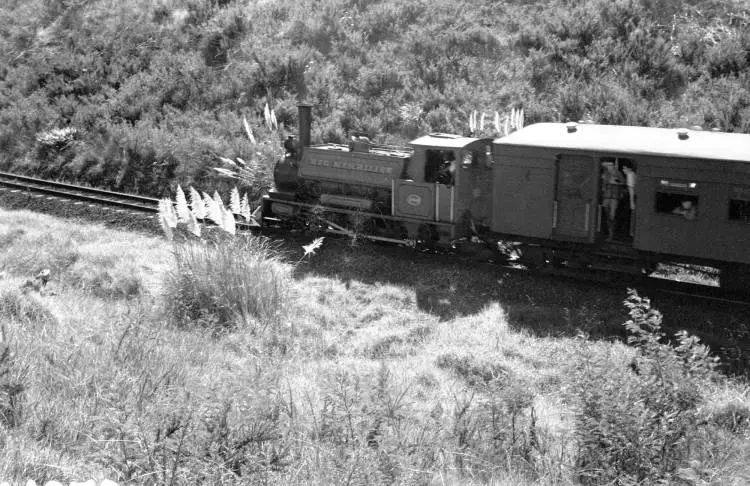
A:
{"x": 340, "y": 230}
{"x": 363, "y": 213}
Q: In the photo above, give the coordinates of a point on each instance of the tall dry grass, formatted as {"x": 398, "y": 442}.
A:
{"x": 225, "y": 282}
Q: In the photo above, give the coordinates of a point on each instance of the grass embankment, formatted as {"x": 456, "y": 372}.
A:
{"x": 357, "y": 366}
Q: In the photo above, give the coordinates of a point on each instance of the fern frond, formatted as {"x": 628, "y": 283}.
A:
{"x": 310, "y": 249}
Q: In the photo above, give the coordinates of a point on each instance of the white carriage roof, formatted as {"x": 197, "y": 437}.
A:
{"x": 633, "y": 140}
{"x": 445, "y": 140}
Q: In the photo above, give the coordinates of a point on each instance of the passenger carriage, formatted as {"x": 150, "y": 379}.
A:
{"x": 692, "y": 196}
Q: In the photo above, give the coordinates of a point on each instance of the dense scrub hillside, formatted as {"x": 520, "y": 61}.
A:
{"x": 133, "y": 94}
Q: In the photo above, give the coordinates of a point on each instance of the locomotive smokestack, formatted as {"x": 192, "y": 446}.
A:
{"x": 305, "y": 121}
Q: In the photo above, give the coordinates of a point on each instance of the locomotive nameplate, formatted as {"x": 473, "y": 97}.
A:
{"x": 351, "y": 168}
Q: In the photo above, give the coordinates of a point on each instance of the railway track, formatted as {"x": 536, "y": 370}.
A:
{"x": 74, "y": 192}
{"x": 148, "y": 205}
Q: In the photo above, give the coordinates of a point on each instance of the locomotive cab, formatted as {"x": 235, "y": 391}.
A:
{"x": 447, "y": 185}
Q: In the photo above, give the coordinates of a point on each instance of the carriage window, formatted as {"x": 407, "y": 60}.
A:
{"x": 680, "y": 204}
{"x": 739, "y": 204}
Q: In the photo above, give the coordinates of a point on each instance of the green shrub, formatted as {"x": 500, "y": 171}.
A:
{"x": 638, "y": 423}
{"x": 226, "y": 282}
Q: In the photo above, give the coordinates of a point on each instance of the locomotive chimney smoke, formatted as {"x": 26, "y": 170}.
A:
{"x": 305, "y": 121}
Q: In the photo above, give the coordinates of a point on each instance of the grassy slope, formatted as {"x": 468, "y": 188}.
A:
{"x": 380, "y": 370}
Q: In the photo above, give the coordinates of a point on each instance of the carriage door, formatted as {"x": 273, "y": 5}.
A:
{"x": 574, "y": 199}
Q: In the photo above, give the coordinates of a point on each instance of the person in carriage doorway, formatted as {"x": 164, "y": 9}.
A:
{"x": 613, "y": 189}
{"x": 631, "y": 179}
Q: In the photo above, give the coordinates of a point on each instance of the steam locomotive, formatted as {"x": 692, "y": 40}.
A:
{"x": 545, "y": 187}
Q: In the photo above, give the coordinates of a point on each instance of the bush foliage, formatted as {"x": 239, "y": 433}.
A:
{"x": 642, "y": 423}
{"x": 144, "y": 95}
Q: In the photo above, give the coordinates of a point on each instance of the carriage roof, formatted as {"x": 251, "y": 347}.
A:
{"x": 631, "y": 140}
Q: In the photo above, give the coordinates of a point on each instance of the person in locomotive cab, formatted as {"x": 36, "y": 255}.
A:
{"x": 613, "y": 184}
{"x": 447, "y": 170}
{"x": 291, "y": 149}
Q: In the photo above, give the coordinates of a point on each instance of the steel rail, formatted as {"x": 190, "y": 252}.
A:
{"x": 65, "y": 194}
{"x": 79, "y": 188}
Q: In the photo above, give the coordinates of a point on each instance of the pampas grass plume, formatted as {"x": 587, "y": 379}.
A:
{"x": 267, "y": 116}
{"x": 227, "y": 161}
{"x": 217, "y": 199}
{"x": 196, "y": 203}
{"x": 227, "y": 221}
{"x": 234, "y": 201}
{"x": 248, "y": 131}
{"x": 245, "y": 208}
{"x": 183, "y": 211}
{"x": 193, "y": 226}
{"x": 213, "y": 211}
{"x": 165, "y": 206}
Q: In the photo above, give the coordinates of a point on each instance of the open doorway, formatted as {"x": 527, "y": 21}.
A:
{"x": 617, "y": 199}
